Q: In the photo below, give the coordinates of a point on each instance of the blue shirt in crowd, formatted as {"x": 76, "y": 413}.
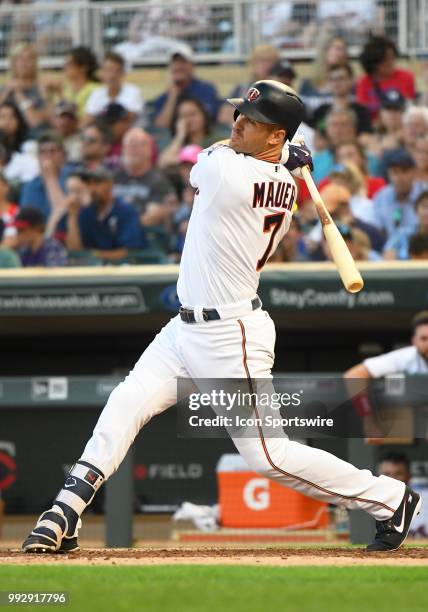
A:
{"x": 50, "y": 254}
{"x": 393, "y": 214}
{"x": 119, "y": 228}
{"x": 203, "y": 91}
{"x": 325, "y": 163}
{"x": 399, "y": 242}
{"x": 33, "y": 193}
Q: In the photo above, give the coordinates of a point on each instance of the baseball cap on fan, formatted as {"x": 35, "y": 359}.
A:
{"x": 113, "y": 113}
{"x": 28, "y": 217}
{"x": 283, "y": 68}
{"x": 65, "y": 108}
{"x": 99, "y": 175}
{"x": 399, "y": 158}
{"x": 189, "y": 154}
{"x": 183, "y": 52}
{"x": 392, "y": 100}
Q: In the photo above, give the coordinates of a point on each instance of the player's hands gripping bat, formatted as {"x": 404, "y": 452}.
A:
{"x": 295, "y": 156}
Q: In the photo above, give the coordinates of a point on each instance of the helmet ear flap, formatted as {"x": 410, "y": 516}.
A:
{"x": 236, "y": 114}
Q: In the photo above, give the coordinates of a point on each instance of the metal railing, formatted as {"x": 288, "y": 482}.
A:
{"x": 217, "y": 30}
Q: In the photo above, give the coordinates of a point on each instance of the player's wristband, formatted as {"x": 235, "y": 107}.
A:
{"x": 362, "y": 405}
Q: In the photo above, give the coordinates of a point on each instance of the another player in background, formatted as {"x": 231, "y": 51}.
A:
{"x": 411, "y": 359}
{"x": 408, "y": 360}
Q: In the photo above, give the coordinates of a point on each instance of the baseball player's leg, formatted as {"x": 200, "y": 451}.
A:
{"x": 245, "y": 348}
{"x": 311, "y": 470}
{"x": 148, "y": 389}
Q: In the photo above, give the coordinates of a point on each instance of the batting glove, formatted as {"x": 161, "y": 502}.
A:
{"x": 295, "y": 157}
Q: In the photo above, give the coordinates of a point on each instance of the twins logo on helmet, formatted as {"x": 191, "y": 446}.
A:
{"x": 252, "y": 94}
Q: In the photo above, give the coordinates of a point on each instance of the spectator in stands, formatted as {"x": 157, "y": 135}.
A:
{"x": 183, "y": 83}
{"x": 17, "y": 167}
{"x": 260, "y": 63}
{"x": 284, "y": 72}
{"x": 18, "y": 164}
{"x": 33, "y": 247}
{"x": 45, "y": 190}
{"x": 95, "y": 143}
{"x": 23, "y": 88}
{"x": 316, "y": 90}
{"x": 13, "y": 127}
{"x": 420, "y": 155}
{"x": 80, "y": 77}
{"x": 341, "y": 84}
{"x": 340, "y": 127}
{"x": 117, "y": 121}
{"x": 397, "y": 247}
{"x": 351, "y": 177}
{"x": 415, "y": 126}
{"x": 394, "y": 204}
{"x": 137, "y": 181}
{"x": 378, "y": 59}
{"x": 352, "y": 152}
{"x": 66, "y": 123}
{"x": 337, "y": 197}
{"x": 107, "y": 226}
{"x": 114, "y": 89}
{"x": 77, "y": 196}
{"x": 357, "y": 241}
{"x": 395, "y": 465}
{"x": 8, "y": 212}
{"x": 388, "y": 132}
{"x": 8, "y": 258}
{"x": 418, "y": 246}
{"x": 191, "y": 125}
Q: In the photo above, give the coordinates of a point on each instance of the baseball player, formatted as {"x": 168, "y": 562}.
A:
{"x": 408, "y": 360}
{"x": 242, "y": 209}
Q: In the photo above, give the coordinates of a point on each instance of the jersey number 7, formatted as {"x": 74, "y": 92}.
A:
{"x": 271, "y": 224}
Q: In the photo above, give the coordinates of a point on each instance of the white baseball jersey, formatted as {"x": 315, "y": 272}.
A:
{"x": 242, "y": 209}
{"x": 406, "y": 360}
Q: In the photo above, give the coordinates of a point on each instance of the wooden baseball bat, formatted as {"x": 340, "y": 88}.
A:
{"x": 345, "y": 264}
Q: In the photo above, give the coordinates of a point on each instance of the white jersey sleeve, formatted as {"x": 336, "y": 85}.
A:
{"x": 406, "y": 360}
{"x": 207, "y": 173}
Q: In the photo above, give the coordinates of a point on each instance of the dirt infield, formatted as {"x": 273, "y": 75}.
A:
{"x": 230, "y": 556}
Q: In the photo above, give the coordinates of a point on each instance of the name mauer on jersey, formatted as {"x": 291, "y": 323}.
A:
{"x": 274, "y": 194}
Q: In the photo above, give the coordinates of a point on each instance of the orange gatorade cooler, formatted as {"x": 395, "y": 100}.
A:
{"x": 247, "y": 499}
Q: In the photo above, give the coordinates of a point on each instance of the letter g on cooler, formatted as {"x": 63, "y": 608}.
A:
{"x": 256, "y": 494}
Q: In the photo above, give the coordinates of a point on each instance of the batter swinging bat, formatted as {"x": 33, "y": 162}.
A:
{"x": 345, "y": 264}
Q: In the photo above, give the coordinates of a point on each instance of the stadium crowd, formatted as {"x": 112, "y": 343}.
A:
{"x": 91, "y": 172}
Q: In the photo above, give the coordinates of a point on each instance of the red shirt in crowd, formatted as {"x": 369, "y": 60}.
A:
{"x": 400, "y": 80}
{"x": 373, "y": 184}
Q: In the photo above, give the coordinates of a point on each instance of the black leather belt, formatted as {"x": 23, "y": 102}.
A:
{"x": 210, "y": 314}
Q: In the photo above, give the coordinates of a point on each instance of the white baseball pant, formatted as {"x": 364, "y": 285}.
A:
{"x": 234, "y": 347}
